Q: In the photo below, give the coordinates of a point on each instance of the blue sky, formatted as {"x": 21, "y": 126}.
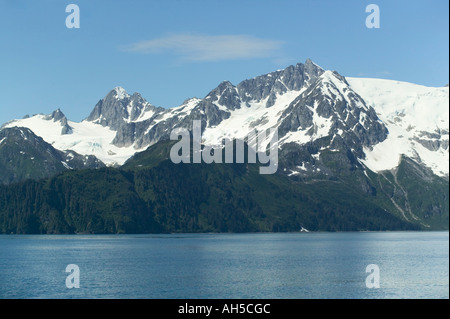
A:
{"x": 172, "y": 50}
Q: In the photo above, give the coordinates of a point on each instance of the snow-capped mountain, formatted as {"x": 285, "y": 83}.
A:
{"x": 87, "y": 138}
{"x": 316, "y": 111}
{"x": 119, "y": 107}
{"x": 381, "y": 140}
{"x": 24, "y": 155}
{"x": 417, "y": 118}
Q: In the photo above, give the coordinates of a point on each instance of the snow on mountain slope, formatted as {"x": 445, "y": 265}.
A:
{"x": 304, "y": 101}
{"x": 318, "y": 102}
{"x": 332, "y": 90}
{"x": 417, "y": 118}
{"x": 181, "y": 110}
{"x": 87, "y": 138}
{"x": 246, "y": 118}
{"x": 121, "y": 93}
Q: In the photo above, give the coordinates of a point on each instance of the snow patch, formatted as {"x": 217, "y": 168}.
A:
{"x": 120, "y": 93}
{"x": 293, "y": 173}
{"x": 66, "y": 166}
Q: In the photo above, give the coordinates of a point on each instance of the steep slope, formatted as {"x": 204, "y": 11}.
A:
{"x": 417, "y": 118}
{"x": 118, "y": 107}
{"x": 413, "y": 193}
{"x": 375, "y": 120}
{"x": 356, "y": 134}
{"x": 225, "y": 104}
{"x": 86, "y": 138}
{"x": 151, "y": 194}
{"x": 23, "y": 155}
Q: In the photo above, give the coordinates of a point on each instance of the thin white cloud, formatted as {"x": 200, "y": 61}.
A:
{"x": 209, "y": 47}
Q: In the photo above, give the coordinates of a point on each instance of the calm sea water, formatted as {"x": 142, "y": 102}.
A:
{"x": 243, "y": 266}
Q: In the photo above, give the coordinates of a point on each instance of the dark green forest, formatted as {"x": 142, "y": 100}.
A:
{"x": 150, "y": 194}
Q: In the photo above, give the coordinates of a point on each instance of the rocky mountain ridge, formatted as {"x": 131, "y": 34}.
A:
{"x": 382, "y": 138}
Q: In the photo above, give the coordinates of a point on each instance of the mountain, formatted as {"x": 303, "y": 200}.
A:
{"x": 118, "y": 107}
{"x": 381, "y": 139}
{"x": 86, "y": 138}
{"x": 307, "y": 104}
{"x": 23, "y": 155}
{"x": 150, "y": 194}
{"x": 417, "y": 118}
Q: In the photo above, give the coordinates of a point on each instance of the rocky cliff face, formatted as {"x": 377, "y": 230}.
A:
{"x": 217, "y": 106}
{"x": 118, "y": 108}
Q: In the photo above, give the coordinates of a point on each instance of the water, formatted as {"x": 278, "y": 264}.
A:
{"x": 242, "y": 266}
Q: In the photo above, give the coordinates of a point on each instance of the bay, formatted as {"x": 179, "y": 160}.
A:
{"x": 227, "y": 266}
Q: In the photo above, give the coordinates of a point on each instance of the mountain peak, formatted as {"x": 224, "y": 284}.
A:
{"x": 312, "y": 69}
{"x": 119, "y": 107}
{"x": 120, "y": 92}
{"x": 310, "y": 62}
{"x": 112, "y": 109}
{"x": 57, "y": 115}
{"x": 226, "y": 84}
